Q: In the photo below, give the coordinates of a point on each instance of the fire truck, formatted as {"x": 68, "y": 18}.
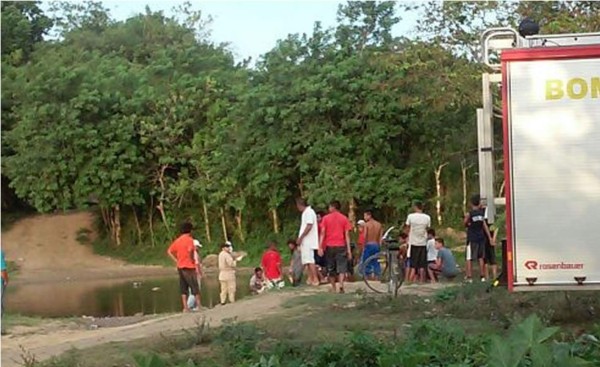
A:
{"x": 544, "y": 93}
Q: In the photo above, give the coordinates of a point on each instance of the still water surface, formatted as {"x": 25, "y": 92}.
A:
{"x": 110, "y": 298}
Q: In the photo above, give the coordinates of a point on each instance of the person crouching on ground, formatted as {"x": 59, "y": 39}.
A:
{"x": 227, "y": 265}
{"x": 182, "y": 252}
{"x": 272, "y": 264}
{"x": 445, "y": 264}
{"x": 258, "y": 282}
{"x": 295, "y": 270}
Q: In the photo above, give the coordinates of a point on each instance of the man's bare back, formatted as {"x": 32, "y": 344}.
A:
{"x": 373, "y": 232}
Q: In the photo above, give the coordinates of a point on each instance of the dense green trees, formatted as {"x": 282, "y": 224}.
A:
{"x": 153, "y": 122}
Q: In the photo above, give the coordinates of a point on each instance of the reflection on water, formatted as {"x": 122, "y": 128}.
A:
{"x": 113, "y": 298}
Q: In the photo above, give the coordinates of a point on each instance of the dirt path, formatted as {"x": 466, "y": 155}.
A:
{"x": 44, "y": 346}
{"x": 46, "y": 249}
{"x": 47, "y": 343}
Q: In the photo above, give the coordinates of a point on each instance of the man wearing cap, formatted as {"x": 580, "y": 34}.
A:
{"x": 308, "y": 239}
{"x": 227, "y": 265}
{"x": 182, "y": 251}
{"x": 373, "y": 232}
{"x": 199, "y": 274}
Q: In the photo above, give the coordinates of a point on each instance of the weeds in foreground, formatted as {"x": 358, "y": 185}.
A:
{"x": 197, "y": 335}
{"x": 429, "y": 343}
{"x": 27, "y": 358}
{"x": 528, "y": 344}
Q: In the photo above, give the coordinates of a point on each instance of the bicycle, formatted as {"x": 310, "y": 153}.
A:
{"x": 390, "y": 263}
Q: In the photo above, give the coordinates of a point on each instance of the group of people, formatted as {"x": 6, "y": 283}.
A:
{"x": 323, "y": 250}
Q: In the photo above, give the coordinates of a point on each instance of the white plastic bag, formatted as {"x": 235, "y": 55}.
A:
{"x": 191, "y": 301}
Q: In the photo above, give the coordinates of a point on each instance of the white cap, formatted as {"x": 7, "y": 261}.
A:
{"x": 361, "y": 222}
{"x": 197, "y": 243}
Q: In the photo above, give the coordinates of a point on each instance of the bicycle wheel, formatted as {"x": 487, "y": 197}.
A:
{"x": 397, "y": 273}
{"x": 374, "y": 264}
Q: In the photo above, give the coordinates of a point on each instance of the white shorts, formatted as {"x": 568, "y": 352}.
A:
{"x": 308, "y": 255}
{"x": 468, "y": 253}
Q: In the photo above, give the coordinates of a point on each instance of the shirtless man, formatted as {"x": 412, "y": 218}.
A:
{"x": 373, "y": 231}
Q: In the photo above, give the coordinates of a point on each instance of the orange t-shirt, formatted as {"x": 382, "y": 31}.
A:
{"x": 183, "y": 249}
{"x": 335, "y": 225}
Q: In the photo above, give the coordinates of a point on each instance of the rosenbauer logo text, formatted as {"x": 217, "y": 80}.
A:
{"x": 534, "y": 265}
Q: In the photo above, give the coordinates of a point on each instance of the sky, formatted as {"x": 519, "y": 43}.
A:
{"x": 251, "y": 27}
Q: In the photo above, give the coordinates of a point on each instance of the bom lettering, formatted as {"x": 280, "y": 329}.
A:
{"x": 574, "y": 88}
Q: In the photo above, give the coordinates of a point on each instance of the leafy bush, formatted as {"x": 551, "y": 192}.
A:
{"x": 239, "y": 341}
{"x": 529, "y": 344}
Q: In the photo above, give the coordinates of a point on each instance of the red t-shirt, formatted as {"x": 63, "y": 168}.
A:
{"x": 183, "y": 249}
{"x": 361, "y": 238}
{"x": 334, "y": 227}
{"x": 271, "y": 263}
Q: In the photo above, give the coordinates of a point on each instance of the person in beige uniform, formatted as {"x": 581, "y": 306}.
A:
{"x": 227, "y": 265}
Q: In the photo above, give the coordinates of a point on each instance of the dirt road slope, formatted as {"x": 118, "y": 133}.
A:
{"x": 46, "y": 248}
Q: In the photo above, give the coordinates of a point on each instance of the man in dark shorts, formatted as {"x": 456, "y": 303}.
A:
{"x": 320, "y": 260}
{"x": 182, "y": 252}
{"x": 477, "y": 231}
{"x": 416, "y": 226}
{"x": 335, "y": 244}
{"x": 490, "y": 250}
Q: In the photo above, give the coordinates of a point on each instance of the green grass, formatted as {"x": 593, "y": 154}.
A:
{"x": 458, "y": 325}
{"x": 10, "y": 320}
{"x": 156, "y": 255}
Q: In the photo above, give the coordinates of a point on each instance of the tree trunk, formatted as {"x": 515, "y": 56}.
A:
{"x": 206, "y": 220}
{"x": 238, "y": 219}
{"x": 463, "y": 170}
{"x": 117, "y": 224}
{"x": 106, "y": 218}
{"x": 137, "y": 225}
{"x": 163, "y": 216}
{"x": 224, "y": 225}
{"x": 275, "y": 220}
{"x": 161, "y": 200}
{"x": 438, "y": 192}
{"x": 301, "y": 188}
{"x": 151, "y": 221}
{"x": 352, "y": 211}
{"x": 502, "y": 187}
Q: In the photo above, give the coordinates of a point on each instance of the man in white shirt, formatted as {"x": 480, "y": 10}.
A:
{"x": 416, "y": 227}
{"x": 308, "y": 240}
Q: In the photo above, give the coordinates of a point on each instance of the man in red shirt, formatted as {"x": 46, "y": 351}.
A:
{"x": 271, "y": 263}
{"x": 182, "y": 252}
{"x": 335, "y": 244}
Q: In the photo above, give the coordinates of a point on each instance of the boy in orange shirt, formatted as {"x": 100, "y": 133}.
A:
{"x": 182, "y": 251}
